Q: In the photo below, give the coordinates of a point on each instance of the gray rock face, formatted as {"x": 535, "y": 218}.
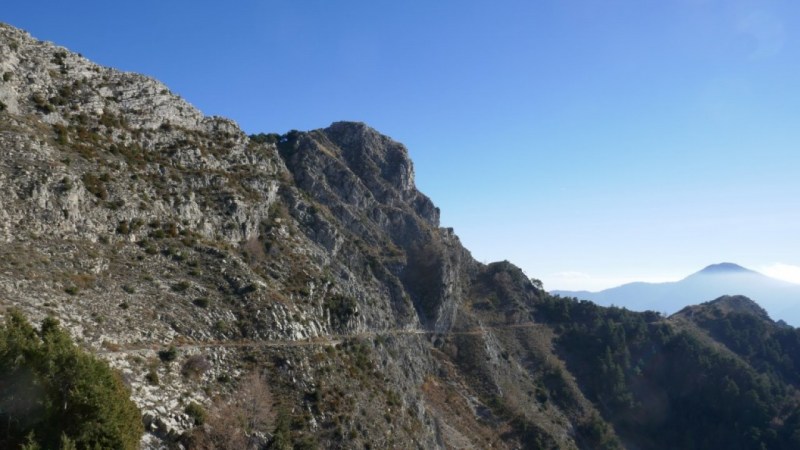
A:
{"x": 311, "y": 257}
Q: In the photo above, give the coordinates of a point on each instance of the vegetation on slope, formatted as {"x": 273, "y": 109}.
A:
{"x": 53, "y": 395}
{"x": 664, "y": 387}
{"x": 310, "y": 261}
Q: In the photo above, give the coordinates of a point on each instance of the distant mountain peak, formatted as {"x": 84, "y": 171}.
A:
{"x": 725, "y": 267}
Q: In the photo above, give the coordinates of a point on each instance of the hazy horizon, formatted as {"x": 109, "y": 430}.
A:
{"x": 589, "y": 143}
{"x": 781, "y": 272}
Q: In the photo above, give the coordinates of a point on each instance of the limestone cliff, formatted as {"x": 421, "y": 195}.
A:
{"x": 299, "y": 289}
{"x": 142, "y": 224}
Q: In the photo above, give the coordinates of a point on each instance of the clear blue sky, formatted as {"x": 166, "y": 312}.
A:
{"x": 589, "y": 142}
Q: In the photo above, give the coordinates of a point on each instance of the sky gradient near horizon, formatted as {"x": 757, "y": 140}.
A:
{"x": 589, "y": 142}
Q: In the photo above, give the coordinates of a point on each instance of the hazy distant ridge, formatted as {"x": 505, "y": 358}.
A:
{"x": 781, "y": 299}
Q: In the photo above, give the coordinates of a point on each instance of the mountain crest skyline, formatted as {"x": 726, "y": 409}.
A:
{"x": 781, "y": 299}
{"x": 724, "y": 267}
{"x": 297, "y": 291}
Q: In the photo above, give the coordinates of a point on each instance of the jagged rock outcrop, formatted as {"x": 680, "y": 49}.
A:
{"x": 143, "y": 224}
{"x": 303, "y": 272}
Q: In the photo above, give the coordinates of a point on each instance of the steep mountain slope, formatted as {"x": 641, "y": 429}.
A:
{"x": 781, "y": 299}
{"x": 296, "y": 290}
{"x": 720, "y": 375}
{"x": 188, "y": 254}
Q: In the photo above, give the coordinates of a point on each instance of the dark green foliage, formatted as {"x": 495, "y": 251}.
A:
{"x": 59, "y": 57}
{"x": 196, "y": 412}
{"x": 181, "y": 286}
{"x": 53, "y": 395}
{"x": 123, "y": 228}
{"x": 95, "y": 185}
{"x": 63, "y": 96}
{"x": 42, "y": 104}
{"x": 770, "y": 349}
{"x": 66, "y": 184}
{"x": 282, "y": 436}
{"x": 71, "y": 290}
{"x": 202, "y": 302}
{"x": 169, "y": 354}
{"x": 288, "y": 143}
{"x": 665, "y": 388}
{"x": 594, "y": 433}
{"x": 261, "y": 138}
{"x": 152, "y": 377}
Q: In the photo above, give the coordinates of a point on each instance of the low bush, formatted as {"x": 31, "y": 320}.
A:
{"x": 196, "y": 412}
{"x": 169, "y": 354}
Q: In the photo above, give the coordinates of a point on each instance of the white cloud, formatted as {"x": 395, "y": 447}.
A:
{"x": 781, "y": 271}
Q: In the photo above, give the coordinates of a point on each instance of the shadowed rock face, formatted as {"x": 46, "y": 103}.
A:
{"x": 143, "y": 224}
{"x": 194, "y": 258}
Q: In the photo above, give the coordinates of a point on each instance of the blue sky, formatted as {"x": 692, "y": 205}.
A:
{"x": 589, "y": 142}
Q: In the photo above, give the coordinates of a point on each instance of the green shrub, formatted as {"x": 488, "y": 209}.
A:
{"x": 56, "y": 396}
{"x": 95, "y": 185}
{"x": 261, "y": 138}
{"x": 152, "y": 377}
{"x": 123, "y": 227}
{"x": 181, "y": 286}
{"x": 196, "y": 412}
{"x": 42, "y": 104}
{"x": 62, "y": 133}
{"x": 169, "y": 354}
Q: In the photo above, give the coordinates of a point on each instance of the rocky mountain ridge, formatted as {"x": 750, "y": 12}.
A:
{"x": 145, "y": 226}
{"x": 737, "y": 304}
{"x": 304, "y": 271}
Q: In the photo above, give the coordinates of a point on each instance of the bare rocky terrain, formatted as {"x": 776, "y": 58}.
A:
{"x": 190, "y": 256}
{"x": 142, "y": 224}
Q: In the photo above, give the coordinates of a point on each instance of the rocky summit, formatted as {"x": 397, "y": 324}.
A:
{"x": 296, "y": 290}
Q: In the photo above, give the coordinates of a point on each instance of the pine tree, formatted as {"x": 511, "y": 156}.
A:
{"x": 54, "y": 395}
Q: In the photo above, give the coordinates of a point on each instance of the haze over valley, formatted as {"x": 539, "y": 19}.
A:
{"x": 781, "y": 299}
